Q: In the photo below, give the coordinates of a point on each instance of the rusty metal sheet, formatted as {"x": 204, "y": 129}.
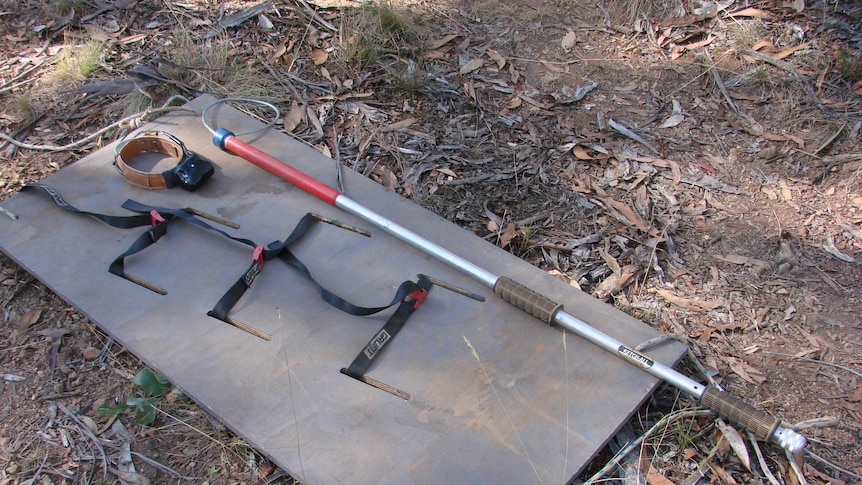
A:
{"x": 494, "y": 395}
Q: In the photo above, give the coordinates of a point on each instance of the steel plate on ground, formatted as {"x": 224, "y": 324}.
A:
{"x": 495, "y": 396}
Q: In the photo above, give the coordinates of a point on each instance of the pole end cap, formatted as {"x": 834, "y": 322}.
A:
{"x": 790, "y": 440}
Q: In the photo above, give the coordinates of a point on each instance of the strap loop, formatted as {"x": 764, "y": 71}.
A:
{"x": 279, "y": 249}
{"x": 121, "y": 222}
{"x": 155, "y": 217}
{"x": 409, "y": 304}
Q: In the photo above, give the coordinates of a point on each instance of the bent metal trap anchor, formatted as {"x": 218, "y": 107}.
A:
{"x": 489, "y": 394}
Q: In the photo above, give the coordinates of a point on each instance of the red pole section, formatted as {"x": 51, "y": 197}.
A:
{"x": 277, "y": 167}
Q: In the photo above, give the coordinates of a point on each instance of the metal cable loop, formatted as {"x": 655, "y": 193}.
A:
{"x": 244, "y": 100}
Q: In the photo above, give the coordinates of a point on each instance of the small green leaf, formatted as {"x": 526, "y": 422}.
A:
{"x": 179, "y": 393}
{"x": 109, "y": 409}
{"x": 139, "y": 402}
{"x": 151, "y": 383}
{"x": 146, "y": 413}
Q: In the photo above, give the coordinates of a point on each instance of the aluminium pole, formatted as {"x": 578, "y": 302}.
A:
{"x": 762, "y": 424}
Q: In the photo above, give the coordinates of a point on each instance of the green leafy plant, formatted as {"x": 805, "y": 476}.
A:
{"x": 154, "y": 388}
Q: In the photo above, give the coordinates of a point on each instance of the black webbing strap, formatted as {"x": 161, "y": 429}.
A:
{"x": 160, "y": 216}
{"x": 232, "y": 296}
{"x": 409, "y": 294}
{"x": 145, "y": 240}
{"x": 122, "y": 222}
{"x": 158, "y": 223}
{"x": 261, "y": 255}
{"x": 409, "y": 304}
{"x": 184, "y": 215}
{"x": 156, "y": 217}
{"x": 280, "y": 250}
{"x": 405, "y": 289}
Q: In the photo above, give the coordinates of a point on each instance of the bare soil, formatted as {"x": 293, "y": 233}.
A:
{"x": 708, "y": 182}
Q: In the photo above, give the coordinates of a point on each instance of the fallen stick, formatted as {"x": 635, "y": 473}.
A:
{"x": 832, "y": 161}
{"x": 790, "y": 69}
{"x": 762, "y": 424}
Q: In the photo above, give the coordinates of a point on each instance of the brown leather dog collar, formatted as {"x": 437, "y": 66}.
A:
{"x": 149, "y": 142}
{"x": 190, "y": 173}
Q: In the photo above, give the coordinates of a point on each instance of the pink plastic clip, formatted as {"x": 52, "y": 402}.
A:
{"x": 155, "y": 217}
{"x": 258, "y": 255}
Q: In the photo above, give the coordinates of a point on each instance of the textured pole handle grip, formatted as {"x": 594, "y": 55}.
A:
{"x": 527, "y": 300}
{"x": 738, "y": 411}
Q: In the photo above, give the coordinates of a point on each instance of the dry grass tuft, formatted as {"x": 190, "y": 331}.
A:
{"x": 77, "y": 63}
{"x": 745, "y": 33}
{"x": 628, "y": 11}
{"x": 379, "y": 29}
{"x": 849, "y": 64}
{"x": 212, "y": 65}
{"x": 208, "y": 65}
{"x": 22, "y": 105}
{"x": 62, "y": 8}
{"x": 407, "y": 76}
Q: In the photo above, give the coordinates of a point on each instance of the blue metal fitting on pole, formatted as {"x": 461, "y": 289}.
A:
{"x": 220, "y": 136}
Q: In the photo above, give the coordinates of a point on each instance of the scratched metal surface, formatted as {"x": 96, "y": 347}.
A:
{"x": 526, "y": 404}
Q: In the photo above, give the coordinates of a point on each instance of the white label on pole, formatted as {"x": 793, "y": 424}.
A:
{"x": 634, "y": 357}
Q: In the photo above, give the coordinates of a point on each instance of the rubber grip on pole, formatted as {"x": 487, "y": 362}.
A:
{"x": 527, "y": 300}
{"x": 738, "y": 411}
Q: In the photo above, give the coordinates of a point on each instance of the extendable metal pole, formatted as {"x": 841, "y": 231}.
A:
{"x": 762, "y": 424}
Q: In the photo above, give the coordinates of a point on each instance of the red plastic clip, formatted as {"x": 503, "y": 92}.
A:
{"x": 155, "y": 217}
{"x": 258, "y": 255}
{"x": 419, "y": 296}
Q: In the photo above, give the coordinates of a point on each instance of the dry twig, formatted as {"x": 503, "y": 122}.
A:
{"x": 134, "y": 121}
{"x": 790, "y": 69}
{"x": 833, "y": 161}
{"x": 663, "y": 422}
{"x": 815, "y": 361}
{"x": 86, "y": 431}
